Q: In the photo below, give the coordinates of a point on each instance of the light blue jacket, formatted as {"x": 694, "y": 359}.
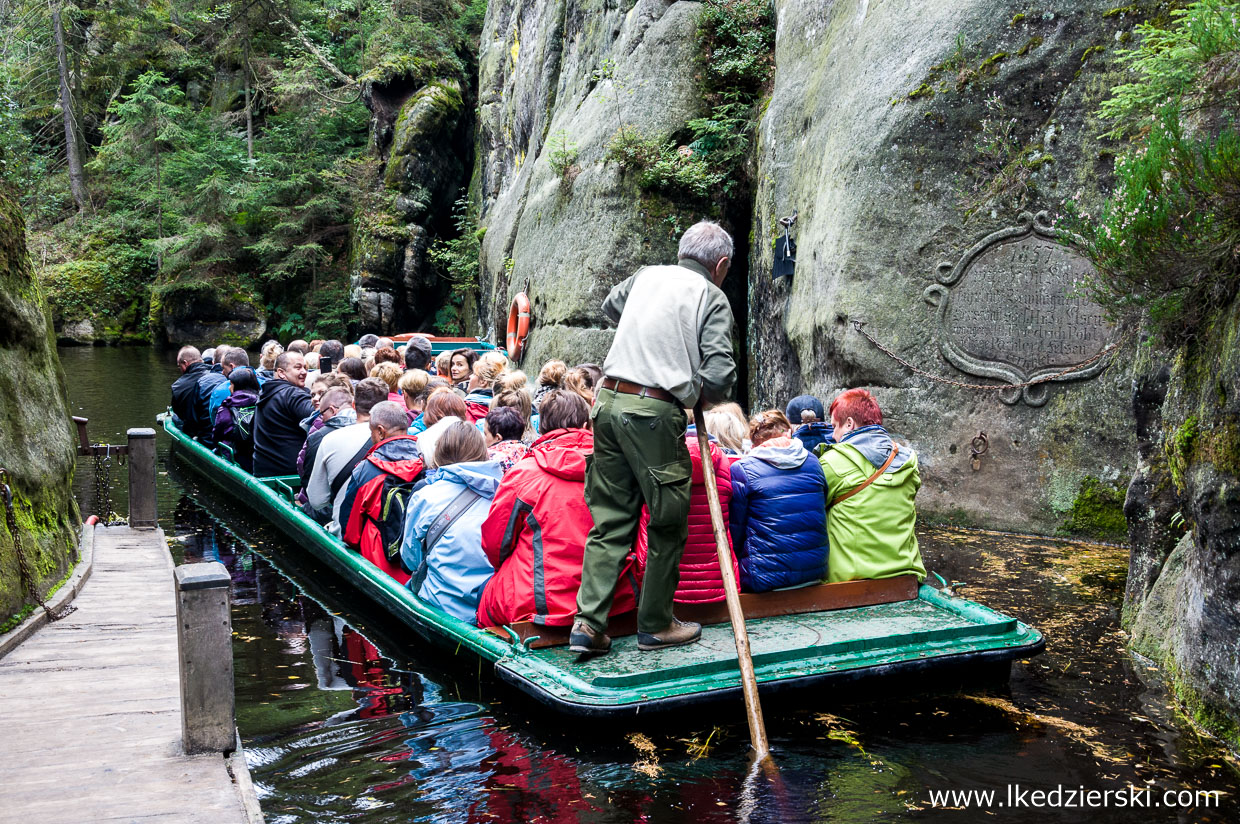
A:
{"x": 457, "y": 569}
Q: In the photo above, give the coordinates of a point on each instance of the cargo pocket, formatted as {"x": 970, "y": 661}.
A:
{"x": 669, "y": 492}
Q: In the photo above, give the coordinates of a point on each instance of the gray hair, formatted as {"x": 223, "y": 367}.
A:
{"x": 390, "y": 415}
{"x": 705, "y": 242}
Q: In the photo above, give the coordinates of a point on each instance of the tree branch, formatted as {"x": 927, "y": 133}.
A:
{"x": 310, "y": 47}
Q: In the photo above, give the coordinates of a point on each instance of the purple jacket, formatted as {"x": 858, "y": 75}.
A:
{"x": 226, "y": 428}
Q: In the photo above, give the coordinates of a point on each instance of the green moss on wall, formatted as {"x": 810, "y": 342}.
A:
{"x": 1097, "y": 513}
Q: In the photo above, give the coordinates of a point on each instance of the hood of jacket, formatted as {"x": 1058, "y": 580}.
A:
{"x": 396, "y": 448}
{"x": 241, "y": 397}
{"x": 345, "y": 417}
{"x": 562, "y": 452}
{"x": 781, "y": 453}
{"x": 482, "y": 477}
{"x": 274, "y": 388}
{"x": 875, "y": 445}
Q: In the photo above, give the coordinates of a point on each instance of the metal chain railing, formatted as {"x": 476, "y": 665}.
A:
{"x": 29, "y": 582}
{"x": 988, "y": 387}
{"x": 103, "y": 485}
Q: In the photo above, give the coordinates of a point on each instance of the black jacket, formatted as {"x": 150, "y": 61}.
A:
{"x": 191, "y": 415}
{"x": 278, "y": 435}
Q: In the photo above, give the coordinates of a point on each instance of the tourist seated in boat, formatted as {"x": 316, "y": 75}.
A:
{"x": 461, "y": 367}
{"x": 415, "y": 390}
{"x": 778, "y": 516}
{"x": 234, "y": 421}
{"x": 550, "y": 378}
{"x": 234, "y": 358}
{"x": 442, "y": 545}
{"x": 729, "y": 428}
{"x": 582, "y": 380}
{"x": 872, "y": 514}
{"x": 339, "y": 452}
{"x": 335, "y": 412}
{"x": 503, "y": 429}
{"x": 267, "y": 361}
{"x": 443, "y": 408}
{"x": 388, "y": 354}
{"x": 392, "y": 460}
{"x": 390, "y": 374}
{"x": 535, "y": 533}
{"x": 809, "y": 422}
{"x": 479, "y": 388}
{"x": 283, "y": 403}
{"x": 417, "y": 353}
{"x": 352, "y": 368}
{"x": 189, "y": 407}
{"x": 700, "y": 580}
{"x": 299, "y": 346}
{"x": 522, "y": 400}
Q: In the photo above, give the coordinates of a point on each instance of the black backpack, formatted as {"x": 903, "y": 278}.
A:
{"x": 243, "y": 422}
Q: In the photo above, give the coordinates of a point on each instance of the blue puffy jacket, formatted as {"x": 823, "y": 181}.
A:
{"x": 457, "y": 569}
{"x": 778, "y": 516}
{"x": 814, "y": 434}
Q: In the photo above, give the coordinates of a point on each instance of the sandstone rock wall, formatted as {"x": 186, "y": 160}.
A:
{"x": 1182, "y": 603}
{"x": 571, "y": 73}
{"x": 36, "y": 446}
{"x": 875, "y": 139}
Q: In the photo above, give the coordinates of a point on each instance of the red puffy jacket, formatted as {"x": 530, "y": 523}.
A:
{"x": 700, "y": 581}
{"x": 535, "y": 537}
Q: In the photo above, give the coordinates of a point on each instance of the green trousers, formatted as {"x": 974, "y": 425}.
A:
{"x": 639, "y": 455}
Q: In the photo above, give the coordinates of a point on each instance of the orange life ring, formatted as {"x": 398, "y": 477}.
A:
{"x": 518, "y": 326}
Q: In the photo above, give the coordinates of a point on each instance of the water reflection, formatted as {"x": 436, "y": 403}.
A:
{"x": 348, "y": 719}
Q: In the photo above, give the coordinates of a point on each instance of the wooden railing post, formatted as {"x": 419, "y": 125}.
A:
{"x": 204, "y": 640}
{"x": 142, "y": 513}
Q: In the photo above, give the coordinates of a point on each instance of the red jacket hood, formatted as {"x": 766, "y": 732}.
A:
{"x": 562, "y": 452}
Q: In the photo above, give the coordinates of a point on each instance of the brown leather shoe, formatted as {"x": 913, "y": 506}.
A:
{"x": 677, "y": 634}
{"x": 587, "y": 641}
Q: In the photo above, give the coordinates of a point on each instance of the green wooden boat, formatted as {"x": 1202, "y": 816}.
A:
{"x": 830, "y": 633}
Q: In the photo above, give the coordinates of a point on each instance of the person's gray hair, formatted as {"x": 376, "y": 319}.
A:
{"x": 706, "y": 242}
{"x": 390, "y": 415}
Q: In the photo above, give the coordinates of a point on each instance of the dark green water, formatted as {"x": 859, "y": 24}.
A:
{"x": 345, "y": 720}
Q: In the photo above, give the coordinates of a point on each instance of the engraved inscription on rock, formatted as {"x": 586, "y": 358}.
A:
{"x": 1014, "y": 309}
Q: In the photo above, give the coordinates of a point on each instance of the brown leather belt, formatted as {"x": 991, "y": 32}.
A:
{"x": 630, "y": 388}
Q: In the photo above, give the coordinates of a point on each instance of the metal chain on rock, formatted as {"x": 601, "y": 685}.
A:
{"x": 987, "y": 387}
{"x": 29, "y": 582}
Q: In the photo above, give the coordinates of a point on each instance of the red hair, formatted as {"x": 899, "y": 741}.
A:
{"x": 859, "y": 405}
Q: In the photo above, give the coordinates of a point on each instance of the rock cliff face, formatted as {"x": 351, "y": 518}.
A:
{"x": 419, "y": 136}
{"x": 36, "y": 446}
{"x": 566, "y": 75}
{"x": 900, "y": 154}
{"x": 1182, "y": 604}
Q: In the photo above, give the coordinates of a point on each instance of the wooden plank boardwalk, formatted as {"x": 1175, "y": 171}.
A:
{"x": 90, "y": 720}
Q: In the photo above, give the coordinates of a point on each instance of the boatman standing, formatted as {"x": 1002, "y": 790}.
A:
{"x": 673, "y": 342}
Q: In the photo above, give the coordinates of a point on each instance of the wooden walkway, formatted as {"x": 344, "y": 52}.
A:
{"x": 90, "y": 720}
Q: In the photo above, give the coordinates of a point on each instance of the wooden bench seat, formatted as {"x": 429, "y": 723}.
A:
{"x": 818, "y": 598}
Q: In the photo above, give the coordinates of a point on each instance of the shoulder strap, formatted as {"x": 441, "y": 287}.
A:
{"x": 347, "y": 469}
{"x": 869, "y": 480}
{"x": 450, "y": 513}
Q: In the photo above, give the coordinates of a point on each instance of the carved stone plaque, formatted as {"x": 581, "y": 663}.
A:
{"x": 1014, "y": 308}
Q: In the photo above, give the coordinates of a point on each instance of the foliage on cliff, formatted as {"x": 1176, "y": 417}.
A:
{"x": 1167, "y": 241}
{"x": 225, "y": 145}
{"x": 737, "y": 40}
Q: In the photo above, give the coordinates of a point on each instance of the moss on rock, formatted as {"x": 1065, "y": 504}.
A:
{"x": 36, "y": 446}
{"x": 1097, "y": 512}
